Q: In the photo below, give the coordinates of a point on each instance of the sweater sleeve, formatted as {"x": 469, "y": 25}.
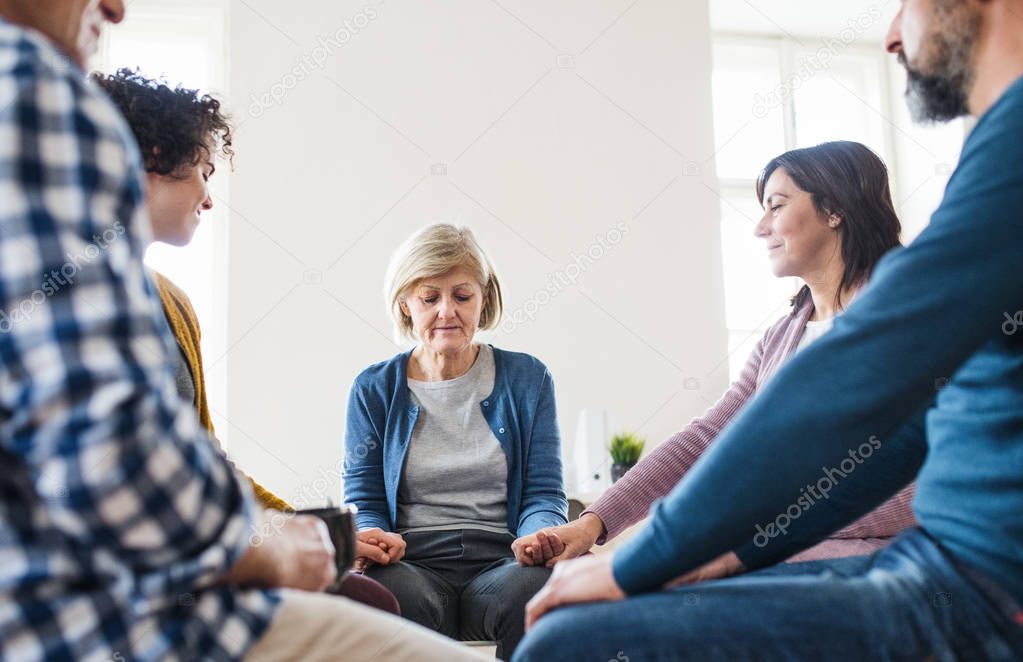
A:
{"x": 543, "y": 490}
{"x": 364, "y": 462}
{"x": 629, "y": 500}
{"x": 842, "y": 500}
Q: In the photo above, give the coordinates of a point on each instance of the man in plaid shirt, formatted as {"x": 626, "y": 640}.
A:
{"x": 124, "y": 534}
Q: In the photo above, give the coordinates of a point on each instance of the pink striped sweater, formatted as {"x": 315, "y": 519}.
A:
{"x": 629, "y": 500}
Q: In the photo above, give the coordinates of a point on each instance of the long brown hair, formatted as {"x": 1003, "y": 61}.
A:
{"x": 848, "y": 180}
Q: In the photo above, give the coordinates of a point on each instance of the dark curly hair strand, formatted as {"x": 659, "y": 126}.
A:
{"x": 176, "y": 128}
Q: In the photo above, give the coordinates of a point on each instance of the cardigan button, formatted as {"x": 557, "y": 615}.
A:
{"x": 486, "y": 403}
{"x": 501, "y": 430}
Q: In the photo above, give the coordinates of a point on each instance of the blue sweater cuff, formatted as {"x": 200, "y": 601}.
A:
{"x": 367, "y": 520}
{"x": 536, "y": 521}
{"x": 636, "y": 565}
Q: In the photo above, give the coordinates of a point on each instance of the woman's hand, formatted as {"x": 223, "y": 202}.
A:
{"x": 377, "y": 546}
{"x": 726, "y": 565}
{"x": 559, "y": 543}
{"x": 588, "y": 579}
{"x": 367, "y": 553}
{"x": 538, "y": 548}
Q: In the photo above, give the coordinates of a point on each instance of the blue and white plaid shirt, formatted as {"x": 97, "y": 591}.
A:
{"x": 117, "y": 516}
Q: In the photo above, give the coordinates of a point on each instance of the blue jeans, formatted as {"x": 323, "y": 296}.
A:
{"x": 909, "y": 601}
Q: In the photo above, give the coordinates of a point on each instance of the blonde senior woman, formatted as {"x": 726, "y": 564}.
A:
{"x": 452, "y": 449}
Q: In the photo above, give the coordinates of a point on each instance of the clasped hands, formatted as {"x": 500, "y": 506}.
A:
{"x": 589, "y": 579}
{"x": 377, "y": 546}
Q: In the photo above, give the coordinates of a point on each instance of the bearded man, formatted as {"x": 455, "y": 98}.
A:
{"x": 933, "y": 314}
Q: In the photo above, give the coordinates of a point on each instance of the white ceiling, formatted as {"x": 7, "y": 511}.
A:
{"x": 805, "y": 18}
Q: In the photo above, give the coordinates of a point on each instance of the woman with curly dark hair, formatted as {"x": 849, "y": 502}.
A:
{"x": 181, "y": 134}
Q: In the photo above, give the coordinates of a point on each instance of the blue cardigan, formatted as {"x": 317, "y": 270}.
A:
{"x": 520, "y": 411}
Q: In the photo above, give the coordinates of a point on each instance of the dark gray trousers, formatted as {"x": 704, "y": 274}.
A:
{"x": 464, "y": 584}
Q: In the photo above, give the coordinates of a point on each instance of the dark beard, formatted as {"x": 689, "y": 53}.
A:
{"x": 942, "y": 94}
{"x": 936, "y": 98}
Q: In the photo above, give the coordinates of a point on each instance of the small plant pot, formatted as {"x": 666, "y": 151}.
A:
{"x": 618, "y": 470}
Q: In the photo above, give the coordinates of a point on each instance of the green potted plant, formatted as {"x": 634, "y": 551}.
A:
{"x": 625, "y": 450}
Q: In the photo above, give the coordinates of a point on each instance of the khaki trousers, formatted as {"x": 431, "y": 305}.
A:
{"x": 316, "y": 626}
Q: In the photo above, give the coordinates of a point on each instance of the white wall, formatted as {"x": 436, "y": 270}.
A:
{"x": 554, "y": 123}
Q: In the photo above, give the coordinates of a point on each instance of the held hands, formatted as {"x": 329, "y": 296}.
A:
{"x": 540, "y": 548}
{"x": 549, "y": 546}
{"x": 377, "y": 546}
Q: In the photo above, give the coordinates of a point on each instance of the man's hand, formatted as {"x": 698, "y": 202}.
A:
{"x": 588, "y": 579}
{"x": 559, "y": 543}
{"x": 377, "y": 546}
{"x": 308, "y": 559}
{"x": 297, "y": 555}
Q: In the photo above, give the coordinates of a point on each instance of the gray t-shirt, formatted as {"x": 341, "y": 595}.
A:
{"x": 456, "y": 473}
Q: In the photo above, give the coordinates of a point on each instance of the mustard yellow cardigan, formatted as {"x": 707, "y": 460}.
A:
{"x": 185, "y": 325}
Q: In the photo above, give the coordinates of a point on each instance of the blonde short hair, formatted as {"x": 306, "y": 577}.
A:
{"x": 433, "y": 251}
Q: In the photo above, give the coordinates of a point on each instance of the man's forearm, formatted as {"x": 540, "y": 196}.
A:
{"x": 828, "y": 505}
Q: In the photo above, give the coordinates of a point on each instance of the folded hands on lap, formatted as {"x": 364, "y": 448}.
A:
{"x": 377, "y": 546}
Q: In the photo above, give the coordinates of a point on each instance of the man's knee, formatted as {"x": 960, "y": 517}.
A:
{"x": 549, "y": 634}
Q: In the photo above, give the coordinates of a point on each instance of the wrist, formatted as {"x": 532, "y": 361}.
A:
{"x": 592, "y": 526}
{"x": 261, "y": 565}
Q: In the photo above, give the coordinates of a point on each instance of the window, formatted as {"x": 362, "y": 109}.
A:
{"x": 770, "y": 97}
{"x": 183, "y": 43}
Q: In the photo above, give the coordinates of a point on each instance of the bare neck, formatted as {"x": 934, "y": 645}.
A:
{"x": 825, "y": 288}
{"x": 426, "y": 365}
{"x": 998, "y": 61}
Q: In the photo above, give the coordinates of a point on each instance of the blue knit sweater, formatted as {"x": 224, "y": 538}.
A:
{"x": 521, "y": 412}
